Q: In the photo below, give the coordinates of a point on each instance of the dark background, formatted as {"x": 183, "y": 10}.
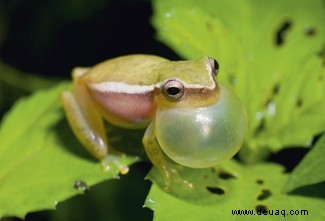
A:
{"x": 53, "y": 36}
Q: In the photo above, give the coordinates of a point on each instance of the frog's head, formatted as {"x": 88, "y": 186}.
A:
{"x": 199, "y": 123}
{"x": 188, "y": 83}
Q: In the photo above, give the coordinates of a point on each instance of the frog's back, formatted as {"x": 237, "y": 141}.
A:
{"x": 130, "y": 69}
{"x": 123, "y": 88}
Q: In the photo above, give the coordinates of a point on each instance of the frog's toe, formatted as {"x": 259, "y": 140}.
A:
{"x": 171, "y": 176}
{"x": 115, "y": 161}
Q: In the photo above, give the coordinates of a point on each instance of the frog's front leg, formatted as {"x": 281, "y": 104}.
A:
{"x": 156, "y": 156}
{"x": 87, "y": 123}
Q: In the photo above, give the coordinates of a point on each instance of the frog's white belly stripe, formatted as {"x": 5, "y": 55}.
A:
{"x": 121, "y": 87}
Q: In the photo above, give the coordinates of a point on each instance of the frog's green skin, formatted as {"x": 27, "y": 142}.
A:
{"x": 138, "y": 91}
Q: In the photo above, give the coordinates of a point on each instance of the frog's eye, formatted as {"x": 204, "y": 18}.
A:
{"x": 173, "y": 90}
{"x": 214, "y": 66}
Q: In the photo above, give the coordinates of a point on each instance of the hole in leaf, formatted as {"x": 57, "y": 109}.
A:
{"x": 310, "y": 31}
{"x": 289, "y": 157}
{"x": 321, "y": 54}
{"x": 280, "y": 34}
{"x": 260, "y": 181}
{"x": 260, "y": 127}
{"x": 261, "y": 209}
{"x": 225, "y": 175}
{"x": 275, "y": 89}
{"x": 264, "y": 195}
{"x": 316, "y": 138}
{"x": 299, "y": 102}
{"x": 216, "y": 190}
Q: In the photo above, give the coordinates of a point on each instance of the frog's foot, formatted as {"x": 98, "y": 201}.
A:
{"x": 170, "y": 174}
{"x": 115, "y": 160}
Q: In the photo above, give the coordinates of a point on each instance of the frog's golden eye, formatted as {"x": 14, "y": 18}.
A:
{"x": 214, "y": 66}
{"x": 173, "y": 90}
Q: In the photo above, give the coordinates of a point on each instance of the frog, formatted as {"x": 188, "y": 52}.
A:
{"x": 190, "y": 119}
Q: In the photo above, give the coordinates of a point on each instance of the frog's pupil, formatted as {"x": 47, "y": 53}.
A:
{"x": 173, "y": 90}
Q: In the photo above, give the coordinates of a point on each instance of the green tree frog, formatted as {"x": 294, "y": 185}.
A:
{"x": 189, "y": 117}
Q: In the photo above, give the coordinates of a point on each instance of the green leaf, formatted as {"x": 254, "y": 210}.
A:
{"x": 231, "y": 186}
{"x": 41, "y": 160}
{"x": 311, "y": 169}
{"x": 271, "y": 53}
{"x": 32, "y": 82}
